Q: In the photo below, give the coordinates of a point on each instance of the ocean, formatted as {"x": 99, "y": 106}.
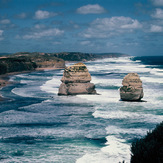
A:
{"x": 38, "y": 126}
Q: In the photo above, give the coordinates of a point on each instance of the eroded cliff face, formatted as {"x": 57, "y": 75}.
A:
{"x": 76, "y": 80}
{"x": 43, "y": 60}
{"x": 25, "y": 61}
{"x": 29, "y": 62}
{"x": 132, "y": 89}
{"x": 16, "y": 64}
{"x": 78, "y": 73}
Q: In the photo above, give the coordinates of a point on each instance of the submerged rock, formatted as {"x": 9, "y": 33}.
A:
{"x": 76, "y": 80}
{"x": 132, "y": 89}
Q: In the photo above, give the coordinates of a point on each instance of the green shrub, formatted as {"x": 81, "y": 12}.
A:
{"x": 16, "y": 64}
{"x": 150, "y": 148}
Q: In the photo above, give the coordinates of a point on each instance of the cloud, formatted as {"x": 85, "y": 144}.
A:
{"x": 44, "y": 33}
{"x": 21, "y": 15}
{"x": 156, "y": 28}
{"x": 39, "y": 26}
{"x": 158, "y": 13}
{"x": 91, "y": 9}
{"x": 1, "y": 33}
{"x": 39, "y": 14}
{"x": 102, "y": 28}
{"x": 56, "y": 43}
{"x": 85, "y": 42}
{"x": 4, "y": 3}
{"x": 5, "y": 21}
{"x": 134, "y": 24}
{"x": 157, "y": 2}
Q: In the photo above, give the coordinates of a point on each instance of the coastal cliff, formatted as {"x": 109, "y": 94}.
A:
{"x": 16, "y": 64}
{"x": 25, "y": 62}
{"x": 28, "y": 62}
{"x": 42, "y": 60}
{"x": 78, "y": 56}
{"x": 72, "y": 56}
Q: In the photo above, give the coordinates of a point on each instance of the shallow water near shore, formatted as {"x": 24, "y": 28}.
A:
{"x": 37, "y": 125}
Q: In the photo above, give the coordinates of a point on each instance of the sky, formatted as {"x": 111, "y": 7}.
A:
{"x": 133, "y": 27}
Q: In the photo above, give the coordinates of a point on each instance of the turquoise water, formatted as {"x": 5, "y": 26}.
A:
{"x": 36, "y": 125}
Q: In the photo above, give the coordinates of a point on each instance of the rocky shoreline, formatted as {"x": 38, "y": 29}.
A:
{"x": 25, "y": 62}
{"x": 3, "y": 82}
{"x": 4, "y": 79}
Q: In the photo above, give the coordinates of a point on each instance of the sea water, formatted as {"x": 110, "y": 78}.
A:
{"x": 37, "y": 125}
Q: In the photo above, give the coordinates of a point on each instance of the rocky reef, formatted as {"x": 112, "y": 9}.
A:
{"x": 76, "y": 80}
{"x": 132, "y": 89}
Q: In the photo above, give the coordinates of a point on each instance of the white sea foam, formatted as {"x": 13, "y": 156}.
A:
{"x": 114, "y": 82}
{"x": 51, "y": 86}
{"x": 138, "y": 61}
{"x": 12, "y": 78}
{"x": 26, "y": 81}
{"x": 134, "y": 117}
{"x": 156, "y": 71}
{"x": 118, "y": 60}
{"x": 105, "y": 96}
{"x": 24, "y": 92}
{"x": 21, "y": 75}
{"x": 116, "y": 151}
{"x": 152, "y": 79}
{"x": 122, "y": 67}
{"x": 99, "y": 157}
{"x": 114, "y": 130}
{"x": 138, "y": 68}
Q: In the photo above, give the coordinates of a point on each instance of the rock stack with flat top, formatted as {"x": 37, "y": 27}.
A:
{"x": 132, "y": 89}
{"x": 76, "y": 80}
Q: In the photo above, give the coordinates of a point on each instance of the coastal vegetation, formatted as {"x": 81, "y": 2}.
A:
{"x": 150, "y": 148}
{"x": 16, "y": 64}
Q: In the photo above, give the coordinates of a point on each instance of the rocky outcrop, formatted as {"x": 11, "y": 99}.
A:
{"x": 132, "y": 88}
{"x": 16, "y": 64}
{"x": 28, "y": 62}
{"x": 76, "y": 80}
{"x": 42, "y": 60}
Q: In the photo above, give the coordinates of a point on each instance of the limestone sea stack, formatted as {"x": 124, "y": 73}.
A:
{"x": 76, "y": 80}
{"x": 132, "y": 89}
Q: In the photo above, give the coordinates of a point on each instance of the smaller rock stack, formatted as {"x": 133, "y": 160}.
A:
{"x": 76, "y": 80}
{"x": 132, "y": 89}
